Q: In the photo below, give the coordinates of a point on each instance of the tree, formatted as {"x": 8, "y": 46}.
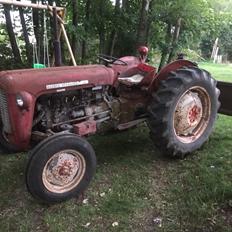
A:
{"x": 114, "y": 31}
{"x": 99, "y": 26}
{"x": 142, "y": 31}
{"x": 175, "y": 39}
{"x": 74, "y": 24}
{"x": 26, "y": 36}
{"x": 180, "y": 16}
{"x": 11, "y": 35}
{"x": 86, "y": 29}
{"x": 101, "y": 20}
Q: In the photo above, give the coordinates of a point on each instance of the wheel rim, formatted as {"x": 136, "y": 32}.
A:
{"x": 64, "y": 171}
{"x": 192, "y": 114}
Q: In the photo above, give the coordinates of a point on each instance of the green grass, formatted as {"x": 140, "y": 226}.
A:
{"x": 221, "y": 72}
{"x": 140, "y": 185}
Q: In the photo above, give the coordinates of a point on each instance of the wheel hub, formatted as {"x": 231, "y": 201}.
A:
{"x": 188, "y": 113}
{"x": 192, "y": 114}
{"x": 63, "y": 171}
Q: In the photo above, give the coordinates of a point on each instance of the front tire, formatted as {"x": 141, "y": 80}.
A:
{"x": 60, "y": 168}
{"x": 183, "y": 111}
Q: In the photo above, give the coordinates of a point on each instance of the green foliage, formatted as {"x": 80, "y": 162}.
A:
{"x": 192, "y": 55}
{"x": 217, "y": 24}
{"x": 202, "y": 22}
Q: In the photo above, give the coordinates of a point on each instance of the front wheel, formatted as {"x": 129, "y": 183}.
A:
{"x": 60, "y": 167}
{"x": 183, "y": 111}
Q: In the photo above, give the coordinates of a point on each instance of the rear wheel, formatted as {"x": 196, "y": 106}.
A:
{"x": 183, "y": 111}
{"x": 60, "y": 167}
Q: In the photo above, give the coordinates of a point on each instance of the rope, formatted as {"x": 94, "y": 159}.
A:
{"x": 44, "y": 40}
{"x": 35, "y": 54}
{"x": 34, "y": 43}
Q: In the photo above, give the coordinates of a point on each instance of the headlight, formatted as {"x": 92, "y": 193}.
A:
{"x": 19, "y": 101}
{"x": 24, "y": 100}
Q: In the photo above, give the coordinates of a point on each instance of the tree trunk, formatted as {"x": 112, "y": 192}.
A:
{"x": 36, "y": 28}
{"x": 101, "y": 30}
{"x": 51, "y": 41}
{"x": 149, "y": 22}
{"x": 166, "y": 49}
{"x": 101, "y": 42}
{"x": 75, "y": 24}
{"x": 11, "y": 34}
{"x": 38, "y": 23}
{"x": 175, "y": 40}
{"x": 142, "y": 31}
{"x": 26, "y": 36}
{"x": 113, "y": 34}
{"x": 86, "y": 26}
{"x": 42, "y": 14}
{"x": 51, "y": 48}
{"x": 124, "y": 4}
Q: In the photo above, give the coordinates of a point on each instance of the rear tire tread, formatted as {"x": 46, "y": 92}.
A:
{"x": 165, "y": 97}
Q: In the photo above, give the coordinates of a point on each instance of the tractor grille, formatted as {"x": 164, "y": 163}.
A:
{"x": 4, "y": 112}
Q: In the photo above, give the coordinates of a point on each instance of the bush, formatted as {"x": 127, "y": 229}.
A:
{"x": 192, "y": 55}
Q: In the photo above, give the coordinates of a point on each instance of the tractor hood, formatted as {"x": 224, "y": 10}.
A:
{"x": 39, "y": 81}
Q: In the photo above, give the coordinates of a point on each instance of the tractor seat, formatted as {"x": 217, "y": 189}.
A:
{"x": 140, "y": 75}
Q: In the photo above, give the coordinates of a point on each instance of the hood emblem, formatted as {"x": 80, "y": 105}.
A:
{"x": 67, "y": 84}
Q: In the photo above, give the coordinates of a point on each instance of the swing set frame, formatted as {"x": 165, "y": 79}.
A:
{"x": 58, "y": 14}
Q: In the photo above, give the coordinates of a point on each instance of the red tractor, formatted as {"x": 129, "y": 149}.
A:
{"x": 52, "y": 110}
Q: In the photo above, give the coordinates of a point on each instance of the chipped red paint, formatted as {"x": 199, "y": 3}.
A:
{"x": 65, "y": 169}
{"x": 21, "y": 121}
{"x": 146, "y": 68}
{"x": 85, "y": 128}
{"x": 32, "y": 83}
{"x": 167, "y": 69}
{"x": 131, "y": 61}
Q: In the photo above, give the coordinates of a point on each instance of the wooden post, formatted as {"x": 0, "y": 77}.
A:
{"x": 216, "y": 55}
{"x": 68, "y": 44}
{"x": 61, "y": 21}
{"x": 28, "y": 4}
{"x": 214, "y": 49}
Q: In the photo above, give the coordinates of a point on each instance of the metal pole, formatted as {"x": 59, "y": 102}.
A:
{"x": 28, "y": 4}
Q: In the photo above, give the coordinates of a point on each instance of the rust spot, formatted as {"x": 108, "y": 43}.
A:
{"x": 65, "y": 169}
{"x": 194, "y": 114}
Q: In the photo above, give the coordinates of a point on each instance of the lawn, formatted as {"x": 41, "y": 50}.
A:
{"x": 221, "y": 72}
{"x": 135, "y": 187}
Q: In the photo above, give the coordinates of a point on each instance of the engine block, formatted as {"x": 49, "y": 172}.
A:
{"x": 61, "y": 110}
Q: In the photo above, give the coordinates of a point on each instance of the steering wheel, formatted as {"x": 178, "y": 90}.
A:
{"x": 111, "y": 60}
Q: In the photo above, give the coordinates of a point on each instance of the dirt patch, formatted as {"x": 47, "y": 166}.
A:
{"x": 226, "y": 213}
